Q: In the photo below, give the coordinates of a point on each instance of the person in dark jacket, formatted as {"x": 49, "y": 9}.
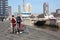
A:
{"x": 18, "y": 19}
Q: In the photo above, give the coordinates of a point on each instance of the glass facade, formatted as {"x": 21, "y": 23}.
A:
{"x": 3, "y": 9}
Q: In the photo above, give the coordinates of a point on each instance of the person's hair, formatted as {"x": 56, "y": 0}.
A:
{"x": 12, "y": 15}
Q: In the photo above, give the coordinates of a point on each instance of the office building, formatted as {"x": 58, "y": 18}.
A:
{"x": 19, "y": 10}
{"x": 3, "y": 9}
{"x": 45, "y": 9}
{"x": 58, "y": 11}
{"x": 9, "y": 10}
{"x": 23, "y": 6}
{"x": 28, "y": 8}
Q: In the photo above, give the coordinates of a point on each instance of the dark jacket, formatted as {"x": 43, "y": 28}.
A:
{"x": 18, "y": 19}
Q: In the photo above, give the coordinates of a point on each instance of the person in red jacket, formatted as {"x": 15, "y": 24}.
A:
{"x": 13, "y": 21}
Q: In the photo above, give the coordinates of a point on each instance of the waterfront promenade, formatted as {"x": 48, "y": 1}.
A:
{"x": 33, "y": 33}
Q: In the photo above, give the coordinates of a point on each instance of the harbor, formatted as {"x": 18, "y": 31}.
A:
{"x": 29, "y": 20}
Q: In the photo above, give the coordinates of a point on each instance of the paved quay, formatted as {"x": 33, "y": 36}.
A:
{"x": 33, "y": 34}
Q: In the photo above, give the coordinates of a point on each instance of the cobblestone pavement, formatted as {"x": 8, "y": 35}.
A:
{"x": 32, "y": 34}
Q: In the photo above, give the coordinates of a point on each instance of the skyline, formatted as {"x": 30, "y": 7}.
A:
{"x": 37, "y": 5}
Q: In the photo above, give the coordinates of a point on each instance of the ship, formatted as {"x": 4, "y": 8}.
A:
{"x": 40, "y": 23}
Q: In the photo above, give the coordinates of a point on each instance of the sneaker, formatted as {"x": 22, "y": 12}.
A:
{"x": 21, "y": 32}
{"x": 17, "y": 33}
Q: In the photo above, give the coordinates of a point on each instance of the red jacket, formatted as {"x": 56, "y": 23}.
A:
{"x": 13, "y": 21}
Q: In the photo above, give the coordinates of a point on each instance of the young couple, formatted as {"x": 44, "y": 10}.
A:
{"x": 16, "y": 22}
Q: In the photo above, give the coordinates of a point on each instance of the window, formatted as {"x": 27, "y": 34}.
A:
{"x": 6, "y": 6}
{"x": 1, "y": 8}
{"x": 0, "y": 2}
{"x": 6, "y": 10}
{"x": 6, "y": 2}
{"x": 1, "y": 13}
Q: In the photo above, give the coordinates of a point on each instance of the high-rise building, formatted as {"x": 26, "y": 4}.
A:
{"x": 28, "y": 8}
{"x": 45, "y": 9}
{"x": 23, "y": 5}
{"x": 19, "y": 9}
{"x": 58, "y": 11}
{"x": 9, "y": 10}
{"x": 3, "y": 9}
